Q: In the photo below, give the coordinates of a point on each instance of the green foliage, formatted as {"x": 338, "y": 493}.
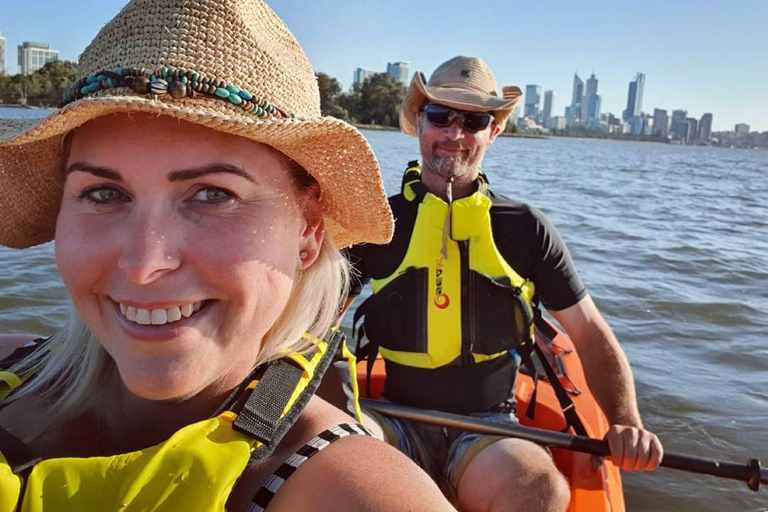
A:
{"x": 511, "y": 126}
{"x": 595, "y": 133}
{"x": 42, "y": 88}
{"x": 330, "y": 91}
{"x": 376, "y": 101}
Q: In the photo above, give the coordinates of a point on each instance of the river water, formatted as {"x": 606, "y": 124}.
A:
{"x": 671, "y": 241}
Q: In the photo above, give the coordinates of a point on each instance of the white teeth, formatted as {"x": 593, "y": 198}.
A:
{"x": 159, "y": 316}
{"x": 174, "y": 314}
{"x": 143, "y": 317}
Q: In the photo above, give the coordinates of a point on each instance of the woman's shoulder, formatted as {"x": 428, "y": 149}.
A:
{"x": 357, "y": 472}
{"x": 324, "y": 463}
{"x": 10, "y": 342}
{"x": 360, "y": 473}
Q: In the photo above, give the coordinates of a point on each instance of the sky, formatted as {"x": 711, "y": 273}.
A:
{"x": 697, "y": 55}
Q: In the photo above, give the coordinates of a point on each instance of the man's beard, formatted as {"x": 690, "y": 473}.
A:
{"x": 451, "y": 166}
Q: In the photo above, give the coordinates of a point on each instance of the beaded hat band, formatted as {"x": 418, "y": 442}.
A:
{"x": 228, "y": 65}
{"x": 177, "y": 83}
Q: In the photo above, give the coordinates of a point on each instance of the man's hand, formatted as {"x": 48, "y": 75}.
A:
{"x": 633, "y": 449}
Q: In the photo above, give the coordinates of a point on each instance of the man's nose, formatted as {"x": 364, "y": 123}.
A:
{"x": 453, "y": 131}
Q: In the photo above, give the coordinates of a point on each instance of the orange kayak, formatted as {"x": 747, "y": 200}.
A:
{"x": 591, "y": 490}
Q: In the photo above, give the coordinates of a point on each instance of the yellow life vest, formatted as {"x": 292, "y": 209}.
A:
{"x": 194, "y": 470}
{"x": 453, "y": 300}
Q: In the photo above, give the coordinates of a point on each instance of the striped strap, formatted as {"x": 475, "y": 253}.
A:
{"x": 275, "y": 481}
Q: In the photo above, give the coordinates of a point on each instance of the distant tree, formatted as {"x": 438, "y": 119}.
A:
{"x": 44, "y": 87}
{"x": 47, "y": 84}
{"x": 350, "y": 102}
{"x": 511, "y": 127}
{"x": 330, "y": 93}
{"x": 10, "y": 90}
{"x": 380, "y": 98}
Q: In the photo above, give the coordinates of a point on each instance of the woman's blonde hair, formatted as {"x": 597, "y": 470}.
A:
{"x": 75, "y": 364}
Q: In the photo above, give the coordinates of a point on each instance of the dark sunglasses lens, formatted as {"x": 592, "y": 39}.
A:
{"x": 474, "y": 121}
{"x": 438, "y": 115}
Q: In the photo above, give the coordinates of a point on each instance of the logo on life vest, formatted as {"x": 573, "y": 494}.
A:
{"x": 441, "y": 299}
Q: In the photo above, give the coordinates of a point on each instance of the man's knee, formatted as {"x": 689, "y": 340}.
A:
{"x": 548, "y": 490}
{"x": 513, "y": 475}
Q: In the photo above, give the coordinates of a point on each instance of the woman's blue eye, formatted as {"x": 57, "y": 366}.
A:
{"x": 213, "y": 195}
{"x": 104, "y": 195}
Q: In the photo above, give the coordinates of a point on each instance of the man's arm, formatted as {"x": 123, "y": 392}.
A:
{"x": 609, "y": 377}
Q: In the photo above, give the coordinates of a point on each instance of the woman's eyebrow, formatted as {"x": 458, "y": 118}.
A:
{"x": 216, "y": 168}
{"x": 101, "y": 172}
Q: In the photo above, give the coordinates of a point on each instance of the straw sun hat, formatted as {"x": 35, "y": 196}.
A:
{"x": 229, "y": 65}
{"x": 463, "y": 83}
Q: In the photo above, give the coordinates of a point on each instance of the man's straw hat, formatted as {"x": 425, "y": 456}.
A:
{"x": 463, "y": 83}
{"x": 229, "y": 65}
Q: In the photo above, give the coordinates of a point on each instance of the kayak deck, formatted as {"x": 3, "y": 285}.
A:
{"x": 591, "y": 490}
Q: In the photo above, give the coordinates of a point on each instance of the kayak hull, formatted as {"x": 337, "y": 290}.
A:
{"x": 591, "y": 490}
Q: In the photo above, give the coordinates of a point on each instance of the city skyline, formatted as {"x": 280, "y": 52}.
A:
{"x": 698, "y": 56}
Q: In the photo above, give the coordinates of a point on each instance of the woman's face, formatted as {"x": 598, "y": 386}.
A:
{"x": 179, "y": 245}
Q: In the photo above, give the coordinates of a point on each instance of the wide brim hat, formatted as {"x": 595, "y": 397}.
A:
{"x": 463, "y": 83}
{"x": 229, "y": 65}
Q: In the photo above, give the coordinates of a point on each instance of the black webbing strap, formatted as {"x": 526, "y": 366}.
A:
{"x": 262, "y": 411}
{"x": 367, "y": 352}
{"x": 525, "y": 350}
{"x": 17, "y": 453}
{"x": 572, "y": 418}
{"x": 566, "y": 403}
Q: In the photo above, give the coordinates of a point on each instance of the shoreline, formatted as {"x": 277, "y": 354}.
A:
{"x": 382, "y": 128}
{"x": 11, "y": 127}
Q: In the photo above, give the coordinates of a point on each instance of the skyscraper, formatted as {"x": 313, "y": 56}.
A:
{"x": 549, "y": 108}
{"x": 741, "y": 129}
{"x": 361, "y": 74}
{"x": 679, "y": 126}
{"x": 573, "y": 114}
{"x": 705, "y": 127}
{"x": 635, "y": 97}
{"x": 660, "y": 123}
{"x": 2, "y": 54}
{"x": 593, "y": 111}
{"x": 399, "y": 70}
{"x": 591, "y": 86}
{"x": 532, "y": 101}
{"x": 33, "y": 56}
{"x": 693, "y": 128}
{"x": 590, "y": 104}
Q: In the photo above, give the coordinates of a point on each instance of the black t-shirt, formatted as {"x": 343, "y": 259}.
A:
{"x": 526, "y": 238}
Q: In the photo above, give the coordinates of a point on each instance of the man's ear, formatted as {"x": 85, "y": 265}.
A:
{"x": 313, "y": 233}
{"x": 495, "y": 131}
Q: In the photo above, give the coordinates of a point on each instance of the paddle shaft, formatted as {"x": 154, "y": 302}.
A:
{"x": 750, "y": 473}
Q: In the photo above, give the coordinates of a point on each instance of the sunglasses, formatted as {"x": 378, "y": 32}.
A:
{"x": 442, "y": 116}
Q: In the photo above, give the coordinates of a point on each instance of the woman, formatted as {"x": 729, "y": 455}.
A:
{"x": 198, "y": 201}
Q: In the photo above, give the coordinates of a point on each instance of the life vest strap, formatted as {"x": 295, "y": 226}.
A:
{"x": 370, "y": 350}
{"x": 19, "y": 456}
{"x": 262, "y": 410}
{"x": 572, "y": 418}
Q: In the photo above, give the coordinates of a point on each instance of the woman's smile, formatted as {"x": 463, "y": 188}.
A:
{"x": 182, "y": 243}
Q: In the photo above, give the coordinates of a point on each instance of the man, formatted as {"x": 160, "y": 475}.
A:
{"x": 449, "y": 293}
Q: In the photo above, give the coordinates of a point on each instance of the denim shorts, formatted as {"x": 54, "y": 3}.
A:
{"x": 444, "y": 453}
